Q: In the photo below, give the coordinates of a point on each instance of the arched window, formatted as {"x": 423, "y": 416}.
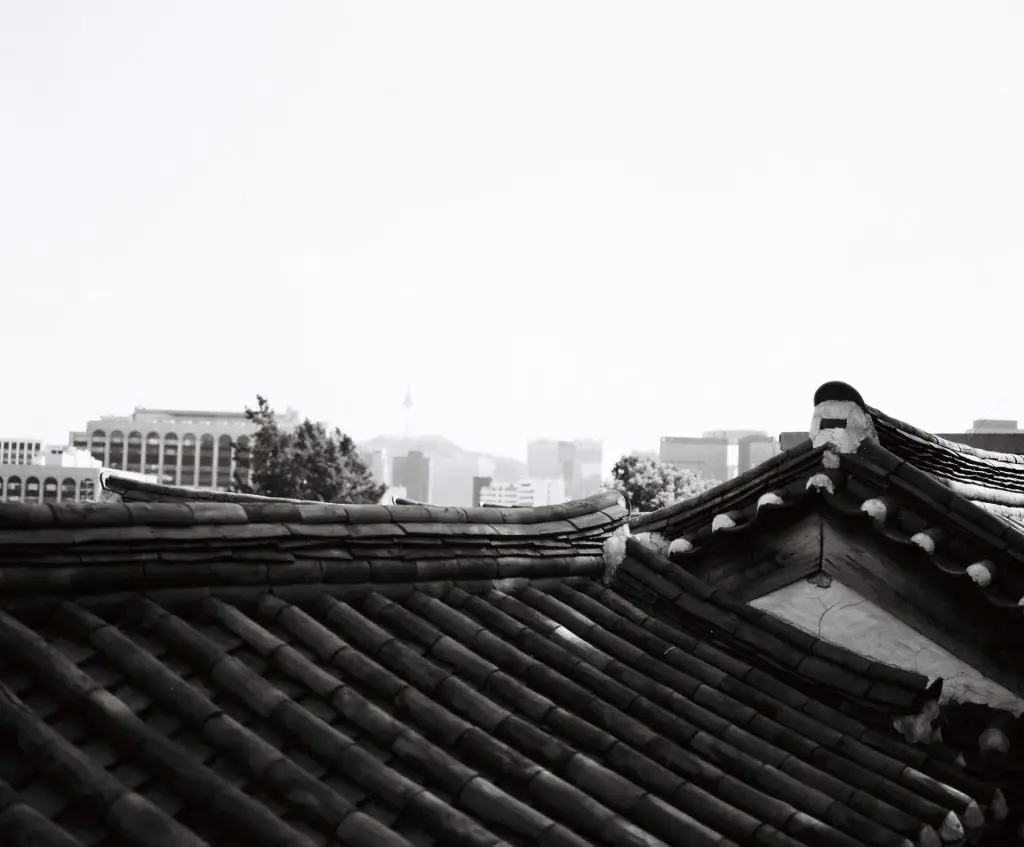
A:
{"x": 98, "y": 446}
{"x": 188, "y": 459}
{"x": 31, "y": 490}
{"x": 50, "y": 490}
{"x": 134, "y": 462}
{"x": 152, "y": 454}
{"x": 169, "y": 469}
{"x": 243, "y": 459}
{"x": 14, "y": 488}
{"x": 206, "y": 461}
{"x": 117, "y": 449}
{"x": 87, "y": 490}
{"x": 67, "y": 490}
{"x": 223, "y": 479}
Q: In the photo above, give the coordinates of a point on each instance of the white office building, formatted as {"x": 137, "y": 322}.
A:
{"x": 55, "y": 475}
{"x": 527, "y": 492}
{"x": 178, "y": 447}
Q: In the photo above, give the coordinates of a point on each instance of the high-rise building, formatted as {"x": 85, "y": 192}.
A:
{"x": 19, "y": 451}
{"x": 577, "y": 463}
{"x": 527, "y": 492}
{"x": 479, "y": 484}
{"x": 707, "y": 456}
{"x": 755, "y": 450}
{"x": 412, "y": 472}
{"x": 179, "y": 447}
{"x": 790, "y": 439}
{"x": 380, "y": 467}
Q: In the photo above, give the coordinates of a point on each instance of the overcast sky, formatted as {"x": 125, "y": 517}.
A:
{"x": 559, "y": 218}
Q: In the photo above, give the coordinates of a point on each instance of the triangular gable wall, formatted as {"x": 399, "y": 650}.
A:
{"x": 827, "y": 608}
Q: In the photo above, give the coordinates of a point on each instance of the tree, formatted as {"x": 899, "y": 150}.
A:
{"x": 649, "y": 485}
{"x": 307, "y": 463}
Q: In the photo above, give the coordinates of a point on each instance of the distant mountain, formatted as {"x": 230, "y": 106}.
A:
{"x": 451, "y": 467}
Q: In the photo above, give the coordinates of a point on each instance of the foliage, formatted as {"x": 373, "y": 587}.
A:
{"x": 307, "y": 463}
{"x": 650, "y": 485}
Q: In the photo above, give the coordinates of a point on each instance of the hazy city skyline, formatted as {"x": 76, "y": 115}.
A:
{"x": 682, "y": 218}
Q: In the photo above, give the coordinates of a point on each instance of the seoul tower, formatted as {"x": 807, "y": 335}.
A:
{"x": 408, "y": 409}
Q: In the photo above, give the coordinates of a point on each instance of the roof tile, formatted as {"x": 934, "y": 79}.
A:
{"x": 429, "y": 705}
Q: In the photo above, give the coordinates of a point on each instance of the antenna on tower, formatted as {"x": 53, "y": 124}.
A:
{"x": 408, "y": 408}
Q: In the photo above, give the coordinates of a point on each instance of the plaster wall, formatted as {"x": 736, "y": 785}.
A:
{"x": 841, "y": 615}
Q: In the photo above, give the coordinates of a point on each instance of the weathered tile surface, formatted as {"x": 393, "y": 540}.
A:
{"x": 187, "y": 667}
{"x": 291, "y": 674}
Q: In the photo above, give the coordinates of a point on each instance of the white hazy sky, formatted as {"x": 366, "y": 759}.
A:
{"x": 552, "y": 218}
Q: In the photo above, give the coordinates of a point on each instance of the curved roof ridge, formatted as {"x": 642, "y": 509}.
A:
{"x": 750, "y": 483}
{"x": 879, "y": 417}
{"x": 60, "y": 550}
{"x": 258, "y": 508}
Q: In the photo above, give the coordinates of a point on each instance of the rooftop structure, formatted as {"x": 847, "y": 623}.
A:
{"x": 189, "y": 666}
{"x": 19, "y": 450}
{"x": 577, "y": 463}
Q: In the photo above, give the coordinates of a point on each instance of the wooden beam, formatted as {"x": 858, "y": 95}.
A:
{"x": 765, "y": 560}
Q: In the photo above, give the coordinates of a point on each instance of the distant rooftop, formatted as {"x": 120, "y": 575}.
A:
{"x": 188, "y": 413}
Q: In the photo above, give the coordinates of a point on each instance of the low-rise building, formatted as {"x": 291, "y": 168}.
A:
{"x": 526, "y": 492}
{"x": 181, "y": 447}
{"x": 56, "y": 475}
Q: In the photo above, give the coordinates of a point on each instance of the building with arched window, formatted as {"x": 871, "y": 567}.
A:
{"x": 55, "y": 475}
{"x": 178, "y": 447}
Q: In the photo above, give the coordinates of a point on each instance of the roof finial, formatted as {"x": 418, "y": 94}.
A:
{"x": 841, "y": 418}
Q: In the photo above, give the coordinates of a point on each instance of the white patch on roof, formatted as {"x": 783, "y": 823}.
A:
{"x": 924, "y": 541}
{"x": 821, "y": 482}
{"x": 981, "y": 573}
{"x": 722, "y": 521}
{"x": 614, "y": 552}
{"x": 875, "y": 509}
{"x": 681, "y": 545}
{"x": 655, "y": 540}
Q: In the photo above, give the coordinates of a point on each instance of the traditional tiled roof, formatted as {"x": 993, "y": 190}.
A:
{"x": 937, "y": 519}
{"x": 952, "y": 502}
{"x": 278, "y": 673}
{"x": 994, "y": 481}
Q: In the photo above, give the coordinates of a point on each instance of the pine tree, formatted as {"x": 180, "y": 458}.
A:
{"x": 307, "y": 463}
